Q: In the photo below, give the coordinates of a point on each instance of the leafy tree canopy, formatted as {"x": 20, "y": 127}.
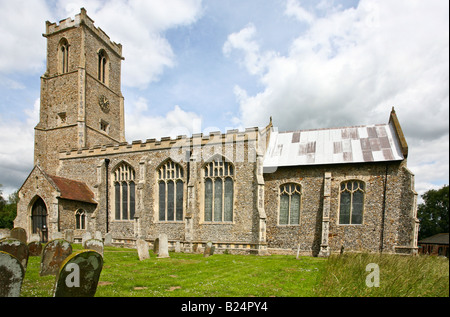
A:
{"x": 433, "y": 212}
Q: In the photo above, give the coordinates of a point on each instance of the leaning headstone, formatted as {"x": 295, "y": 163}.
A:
{"x": 142, "y": 248}
{"x": 177, "y": 246}
{"x": 98, "y": 236}
{"x": 53, "y": 254}
{"x": 94, "y": 244}
{"x": 207, "y": 251}
{"x": 86, "y": 236}
{"x": 68, "y": 235}
{"x": 11, "y": 275}
{"x": 79, "y": 275}
{"x": 5, "y": 233}
{"x": 35, "y": 248}
{"x": 163, "y": 246}
{"x": 16, "y": 248}
{"x": 19, "y": 234}
{"x": 108, "y": 239}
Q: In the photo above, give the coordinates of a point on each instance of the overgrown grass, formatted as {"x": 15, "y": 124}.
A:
{"x": 192, "y": 275}
{"x": 399, "y": 276}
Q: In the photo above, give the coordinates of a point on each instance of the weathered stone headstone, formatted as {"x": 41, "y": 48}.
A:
{"x": 142, "y": 248}
{"x": 156, "y": 246}
{"x": 94, "y": 244}
{"x": 207, "y": 251}
{"x": 11, "y": 275}
{"x": 68, "y": 235}
{"x": 34, "y": 248}
{"x": 177, "y": 246}
{"x": 19, "y": 234}
{"x": 5, "y": 233}
{"x": 16, "y": 248}
{"x": 98, "y": 236}
{"x": 53, "y": 254}
{"x": 57, "y": 235}
{"x": 79, "y": 275}
{"x": 163, "y": 246}
{"x": 84, "y": 237}
{"x": 34, "y": 237}
{"x": 108, "y": 239}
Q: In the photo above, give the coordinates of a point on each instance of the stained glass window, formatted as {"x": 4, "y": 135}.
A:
{"x": 171, "y": 191}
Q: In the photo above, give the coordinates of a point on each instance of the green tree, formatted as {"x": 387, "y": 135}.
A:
{"x": 8, "y": 209}
{"x": 433, "y": 212}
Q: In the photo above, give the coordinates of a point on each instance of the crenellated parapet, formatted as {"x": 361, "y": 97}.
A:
{"x": 82, "y": 19}
{"x": 197, "y": 140}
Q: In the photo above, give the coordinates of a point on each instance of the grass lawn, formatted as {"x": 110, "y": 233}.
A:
{"x": 223, "y": 275}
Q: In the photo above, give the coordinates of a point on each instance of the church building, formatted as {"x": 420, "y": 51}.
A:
{"x": 258, "y": 191}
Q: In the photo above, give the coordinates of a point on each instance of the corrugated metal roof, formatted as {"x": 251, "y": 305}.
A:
{"x": 371, "y": 143}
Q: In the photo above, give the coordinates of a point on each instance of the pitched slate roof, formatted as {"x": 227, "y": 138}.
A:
{"x": 369, "y": 143}
{"x": 440, "y": 238}
{"x": 73, "y": 190}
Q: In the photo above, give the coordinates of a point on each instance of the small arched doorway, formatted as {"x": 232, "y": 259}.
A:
{"x": 39, "y": 219}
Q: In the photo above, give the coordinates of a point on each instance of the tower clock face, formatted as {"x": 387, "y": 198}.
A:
{"x": 103, "y": 102}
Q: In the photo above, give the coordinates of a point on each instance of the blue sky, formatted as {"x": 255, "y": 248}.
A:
{"x": 200, "y": 66}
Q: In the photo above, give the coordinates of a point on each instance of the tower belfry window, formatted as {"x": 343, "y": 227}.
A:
{"x": 63, "y": 54}
{"x": 103, "y": 66}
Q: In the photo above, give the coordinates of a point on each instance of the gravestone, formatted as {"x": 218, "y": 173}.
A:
{"x": 5, "y": 233}
{"x": 209, "y": 250}
{"x": 68, "y": 235}
{"x": 34, "y": 248}
{"x": 94, "y": 244}
{"x": 79, "y": 275}
{"x": 108, "y": 239}
{"x": 11, "y": 275}
{"x": 177, "y": 246}
{"x": 163, "y": 246}
{"x": 57, "y": 235}
{"x": 84, "y": 237}
{"x": 53, "y": 254}
{"x": 16, "y": 248}
{"x": 19, "y": 234}
{"x": 34, "y": 237}
{"x": 98, "y": 236}
{"x": 142, "y": 248}
{"x": 156, "y": 246}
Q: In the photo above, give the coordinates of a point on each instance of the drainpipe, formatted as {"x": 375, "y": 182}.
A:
{"x": 383, "y": 212}
{"x": 107, "y": 194}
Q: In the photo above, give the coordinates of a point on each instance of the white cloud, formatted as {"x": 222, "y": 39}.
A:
{"x": 23, "y": 47}
{"x": 16, "y": 149}
{"x": 141, "y": 126}
{"x": 293, "y": 8}
{"x": 139, "y": 26}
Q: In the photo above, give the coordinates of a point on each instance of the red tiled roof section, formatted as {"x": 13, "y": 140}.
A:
{"x": 73, "y": 190}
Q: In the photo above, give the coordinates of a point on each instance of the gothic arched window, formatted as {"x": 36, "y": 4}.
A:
{"x": 290, "y": 198}
{"x": 63, "y": 56}
{"x": 103, "y": 70}
{"x": 80, "y": 219}
{"x": 124, "y": 192}
{"x": 351, "y": 202}
{"x": 171, "y": 189}
{"x": 219, "y": 191}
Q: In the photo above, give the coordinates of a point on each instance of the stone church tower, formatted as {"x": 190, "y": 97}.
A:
{"x": 81, "y": 100}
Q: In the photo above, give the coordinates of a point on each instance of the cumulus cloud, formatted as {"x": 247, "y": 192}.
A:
{"x": 351, "y": 66}
{"x": 139, "y": 26}
{"x": 176, "y": 122}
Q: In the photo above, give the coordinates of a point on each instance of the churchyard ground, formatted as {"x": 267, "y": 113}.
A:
{"x": 192, "y": 275}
